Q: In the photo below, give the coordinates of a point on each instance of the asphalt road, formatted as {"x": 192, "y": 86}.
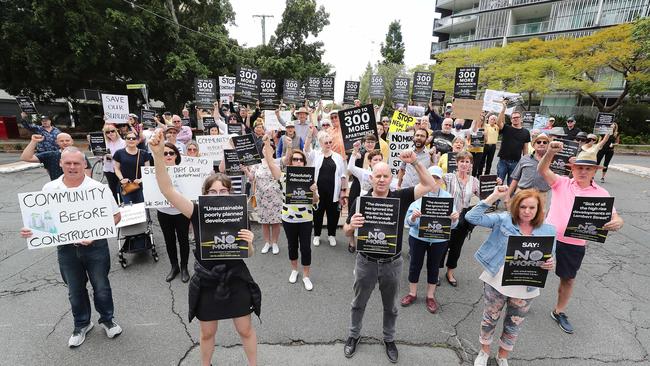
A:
{"x": 610, "y": 308}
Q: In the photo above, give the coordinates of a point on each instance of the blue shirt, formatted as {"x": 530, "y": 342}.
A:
{"x": 50, "y": 161}
{"x": 414, "y": 226}
{"x": 49, "y": 138}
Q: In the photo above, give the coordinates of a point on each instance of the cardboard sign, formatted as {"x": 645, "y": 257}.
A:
{"x": 381, "y": 223}
{"x": 148, "y": 118}
{"x": 467, "y": 108}
{"x": 209, "y": 122}
{"x": 226, "y": 88}
{"x": 466, "y": 83}
{"x": 312, "y": 91}
{"x": 524, "y": 257}
{"x": 205, "y": 92}
{"x": 186, "y": 179}
{"x": 492, "y": 101}
{"x": 231, "y": 162}
{"x": 211, "y": 147}
{"x": 299, "y": 181}
{"x": 116, "y": 108}
{"x": 351, "y": 92}
{"x": 398, "y": 142}
{"x": 438, "y": 97}
{"x": 271, "y": 122}
{"x": 588, "y": 216}
{"x": 26, "y": 105}
{"x": 528, "y": 120}
{"x": 269, "y": 94}
{"x": 400, "y": 122}
{"x": 401, "y": 90}
{"x": 67, "y": 216}
{"x": 486, "y": 185}
{"x": 452, "y": 165}
{"x": 220, "y": 220}
{"x": 561, "y": 159}
{"x": 422, "y": 86}
{"x": 415, "y": 110}
{"x": 603, "y": 123}
{"x": 435, "y": 222}
{"x": 132, "y": 214}
{"x": 235, "y": 129}
{"x": 376, "y": 89}
{"x": 291, "y": 92}
{"x": 540, "y": 122}
{"x": 247, "y": 85}
{"x": 247, "y": 149}
{"x": 97, "y": 143}
{"x": 327, "y": 88}
{"x": 356, "y": 123}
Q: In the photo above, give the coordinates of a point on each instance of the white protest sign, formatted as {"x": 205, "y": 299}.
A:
{"x": 192, "y": 160}
{"x": 493, "y": 98}
{"x": 398, "y": 142}
{"x": 187, "y": 180}
{"x": 415, "y": 110}
{"x": 116, "y": 108}
{"x": 540, "y": 121}
{"x": 271, "y": 122}
{"x": 211, "y": 147}
{"x": 67, "y": 216}
{"x": 226, "y": 88}
{"x": 132, "y": 214}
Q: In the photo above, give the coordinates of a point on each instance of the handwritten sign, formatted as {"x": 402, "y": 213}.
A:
{"x": 186, "y": 179}
{"x": 212, "y": 147}
{"x": 116, "y": 108}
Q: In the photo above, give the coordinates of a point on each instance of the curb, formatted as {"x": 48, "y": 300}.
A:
{"x": 632, "y": 169}
{"x": 18, "y": 167}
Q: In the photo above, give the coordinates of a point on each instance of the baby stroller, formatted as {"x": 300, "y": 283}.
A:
{"x": 137, "y": 237}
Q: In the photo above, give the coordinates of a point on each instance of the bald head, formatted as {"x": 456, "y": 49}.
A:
{"x": 64, "y": 140}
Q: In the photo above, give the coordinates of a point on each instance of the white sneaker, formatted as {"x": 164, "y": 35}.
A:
{"x": 332, "y": 241}
{"x": 481, "y": 359}
{"x": 502, "y": 361}
{"x": 276, "y": 248}
{"x": 316, "y": 241}
{"x": 79, "y": 336}
{"x": 294, "y": 276}
{"x": 307, "y": 282}
{"x": 266, "y": 248}
{"x": 112, "y": 329}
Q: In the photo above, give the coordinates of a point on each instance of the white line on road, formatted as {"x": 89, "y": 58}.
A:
{"x": 632, "y": 169}
{"x": 146, "y": 324}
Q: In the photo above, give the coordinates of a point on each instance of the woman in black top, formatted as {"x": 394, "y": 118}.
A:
{"x": 219, "y": 289}
{"x": 127, "y": 163}
{"x": 608, "y": 150}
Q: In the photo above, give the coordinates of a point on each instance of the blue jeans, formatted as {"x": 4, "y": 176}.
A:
{"x": 78, "y": 264}
{"x": 506, "y": 167}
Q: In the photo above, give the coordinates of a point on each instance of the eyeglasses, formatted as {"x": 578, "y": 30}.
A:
{"x": 110, "y": 131}
{"x": 513, "y": 117}
{"x": 131, "y": 138}
{"x": 220, "y": 192}
{"x": 591, "y": 140}
{"x": 169, "y": 153}
{"x": 327, "y": 142}
{"x": 298, "y": 159}
{"x": 541, "y": 142}
{"x": 192, "y": 149}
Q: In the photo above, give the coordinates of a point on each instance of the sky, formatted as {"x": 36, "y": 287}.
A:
{"x": 355, "y": 32}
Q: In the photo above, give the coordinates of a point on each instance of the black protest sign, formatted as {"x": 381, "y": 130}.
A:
{"x": 231, "y": 162}
{"x": 435, "y": 222}
{"x": 220, "y": 220}
{"x": 356, "y": 123}
{"x": 269, "y": 94}
{"x": 351, "y": 92}
{"x": 205, "y": 92}
{"x": 291, "y": 92}
{"x": 528, "y": 120}
{"x": 561, "y": 159}
{"x": 466, "y": 82}
{"x": 327, "y": 88}
{"x": 313, "y": 88}
{"x": 302, "y": 93}
{"x": 438, "y": 97}
{"x": 588, "y": 216}
{"x": 148, "y": 118}
{"x": 185, "y": 121}
{"x": 486, "y": 185}
{"x": 477, "y": 140}
{"x": 422, "y": 86}
{"x": 299, "y": 181}
{"x": 247, "y": 149}
{"x": 235, "y": 129}
{"x": 376, "y": 89}
{"x": 247, "y": 85}
{"x": 604, "y": 123}
{"x": 451, "y": 162}
{"x": 209, "y": 122}
{"x": 381, "y": 223}
{"x": 97, "y": 143}
{"x": 401, "y": 90}
{"x": 26, "y": 105}
{"x": 524, "y": 257}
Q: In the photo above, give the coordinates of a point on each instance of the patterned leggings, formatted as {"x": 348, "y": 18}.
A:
{"x": 516, "y": 311}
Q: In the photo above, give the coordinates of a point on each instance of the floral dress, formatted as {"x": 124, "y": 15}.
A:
{"x": 267, "y": 194}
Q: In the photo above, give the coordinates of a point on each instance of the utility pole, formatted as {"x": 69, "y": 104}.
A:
{"x": 263, "y": 16}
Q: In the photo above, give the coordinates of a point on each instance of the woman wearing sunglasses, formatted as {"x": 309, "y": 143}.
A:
{"x": 127, "y": 163}
{"x": 525, "y": 175}
{"x": 219, "y": 289}
{"x": 192, "y": 149}
{"x": 113, "y": 143}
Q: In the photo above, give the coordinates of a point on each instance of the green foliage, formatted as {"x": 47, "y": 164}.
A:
{"x": 392, "y": 50}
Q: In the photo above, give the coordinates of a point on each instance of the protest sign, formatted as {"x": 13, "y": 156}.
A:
{"x": 185, "y": 121}
{"x": 235, "y": 129}
{"x": 195, "y": 160}
{"x": 271, "y": 122}
{"x": 438, "y": 97}
{"x": 186, "y": 179}
{"x": 466, "y": 82}
{"x": 132, "y": 214}
{"x": 524, "y": 257}
{"x": 97, "y": 143}
{"x": 209, "y": 122}
{"x": 298, "y": 185}
{"x": 291, "y": 92}
{"x": 313, "y": 89}
{"x": 211, "y": 146}
{"x": 26, "y": 105}
{"x": 269, "y": 94}
{"x": 205, "y": 92}
{"x": 116, "y": 108}
{"x": 247, "y": 85}
{"x": 351, "y": 92}
{"x": 451, "y": 162}
{"x": 148, "y": 118}
{"x": 588, "y": 216}
{"x": 246, "y": 149}
{"x": 540, "y": 122}
{"x": 401, "y": 90}
{"x": 476, "y": 141}
{"x": 435, "y": 222}
{"x": 561, "y": 159}
{"x": 379, "y": 231}
{"x": 415, "y": 110}
{"x": 327, "y": 88}
{"x": 467, "y": 108}
{"x": 67, "y": 216}
{"x": 226, "y": 88}
{"x": 486, "y": 185}
{"x": 376, "y": 89}
{"x": 398, "y": 142}
{"x": 356, "y": 123}
{"x": 603, "y": 123}
{"x": 400, "y": 122}
{"x": 220, "y": 220}
{"x": 492, "y": 101}
{"x": 231, "y": 162}
{"x": 302, "y": 93}
{"x": 422, "y": 86}
{"x": 528, "y": 120}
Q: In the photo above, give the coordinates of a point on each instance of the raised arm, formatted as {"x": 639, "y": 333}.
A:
{"x": 502, "y": 115}
{"x": 267, "y": 151}
{"x": 477, "y": 215}
{"x": 544, "y": 166}
{"x": 426, "y": 181}
{"x": 29, "y": 154}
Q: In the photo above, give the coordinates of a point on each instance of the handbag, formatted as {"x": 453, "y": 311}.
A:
{"x": 253, "y": 200}
{"x": 130, "y": 187}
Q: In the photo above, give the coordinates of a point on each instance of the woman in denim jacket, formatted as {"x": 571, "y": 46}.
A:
{"x": 524, "y": 218}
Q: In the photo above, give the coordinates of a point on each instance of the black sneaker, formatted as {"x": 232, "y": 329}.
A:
{"x": 351, "y": 346}
{"x": 563, "y": 321}
{"x": 391, "y": 351}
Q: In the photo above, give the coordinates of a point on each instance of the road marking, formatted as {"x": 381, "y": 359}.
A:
{"x": 146, "y": 324}
{"x": 637, "y": 170}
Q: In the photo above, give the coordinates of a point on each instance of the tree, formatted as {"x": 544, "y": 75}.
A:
{"x": 393, "y": 49}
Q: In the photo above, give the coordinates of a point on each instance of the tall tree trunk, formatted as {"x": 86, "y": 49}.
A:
{"x": 172, "y": 11}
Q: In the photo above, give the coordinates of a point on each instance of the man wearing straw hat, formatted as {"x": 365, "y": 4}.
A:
{"x": 569, "y": 251}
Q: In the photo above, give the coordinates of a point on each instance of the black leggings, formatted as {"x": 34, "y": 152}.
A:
{"x": 333, "y": 213}
{"x": 113, "y": 183}
{"x": 608, "y": 157}
{"x": 477, "y": 167}
{"x": 434, "y": 253}
{"x": 458, "y": 235}
{"x": 173, "y": 226}
{"x": 488, "y": 156}
{"x": 299, "y": 236}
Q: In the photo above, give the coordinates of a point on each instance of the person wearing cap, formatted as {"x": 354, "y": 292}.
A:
{"x": 571, "y": 130}
{"x": 50, "y": 159}
{"x": 590, "y": 144}
{"x": 549, "y": 124}
{"x": 525, "y": 175}
{"x": 514, "y": 143}
{"x": 443, "y": 139}
{"x": 336, "y": 135}
{"x": 171, "y": 136}
{"x": 184, "y": 133}
{"x": 570, "y": 251}
{"x": 449, "y": 109}
{"x": 581, "y": 138}
{"x": 46, "y": 130}
{"x": 289, "y": 141}
{"x": 434, "y": 249}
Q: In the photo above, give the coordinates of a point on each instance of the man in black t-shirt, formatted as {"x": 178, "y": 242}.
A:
{"x": 442, "y": 139}
{"x": 514, "y": 143}
{"x": 571, "y": 130}
{"x": 385, "y": 269}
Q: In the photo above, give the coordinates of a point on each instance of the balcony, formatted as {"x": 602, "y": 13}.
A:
{"x": 465, "y": 38}
{"x": 437, "y": 47}
{"x": 458, "y": 24}
{"x": 529, "y": 28}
